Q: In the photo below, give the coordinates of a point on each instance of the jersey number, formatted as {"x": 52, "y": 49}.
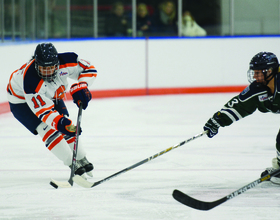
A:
{"x": 232, "y": 102}
{"x": 36, "y": 100}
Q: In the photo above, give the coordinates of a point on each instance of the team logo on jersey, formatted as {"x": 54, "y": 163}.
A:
{"x": 59, "y": 93}
{"x": 262, "y": 98}
{"x": 245, "y": 90}
{"x": 63, "y": 73}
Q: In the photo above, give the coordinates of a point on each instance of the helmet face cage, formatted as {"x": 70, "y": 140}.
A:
{"x": 263, "y": 61}
{"x": 250, "y": 76}
{"x": 48, "y": 78}
{"x": 46, "y": 55}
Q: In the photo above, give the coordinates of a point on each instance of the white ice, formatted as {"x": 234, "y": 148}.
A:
{"x": 120, "y": 132}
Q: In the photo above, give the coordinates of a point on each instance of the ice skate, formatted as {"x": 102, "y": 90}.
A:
{"x": 79, "y": 170}
{"x": 275, "y": 166}
{"x": 88, "y": 167}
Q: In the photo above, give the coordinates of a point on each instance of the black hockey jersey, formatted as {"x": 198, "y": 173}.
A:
{"x": 254, "y": 97}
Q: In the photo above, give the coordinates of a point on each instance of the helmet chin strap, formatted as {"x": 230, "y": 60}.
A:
{"x": 269, "y": 78}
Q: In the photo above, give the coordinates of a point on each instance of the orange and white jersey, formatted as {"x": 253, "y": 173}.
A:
{"x": 25, "y": 85}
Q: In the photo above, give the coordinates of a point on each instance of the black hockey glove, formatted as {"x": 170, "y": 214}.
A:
{"x": 212, "y": 125}
{"x": 80, "y": 93}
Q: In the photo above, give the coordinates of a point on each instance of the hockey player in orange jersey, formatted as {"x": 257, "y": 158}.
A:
{"x": 35, "y": 93}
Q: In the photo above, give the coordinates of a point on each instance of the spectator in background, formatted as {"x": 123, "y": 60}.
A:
{"x": 116, "y": 24}
{"x": 165, "y": 20}
{"x": 143, "y": 20}
{"x": 189, "y": 26}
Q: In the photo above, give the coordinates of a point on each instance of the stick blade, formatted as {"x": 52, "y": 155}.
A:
{"x": 82, "y": 182}
{"x": 194, "y": 203}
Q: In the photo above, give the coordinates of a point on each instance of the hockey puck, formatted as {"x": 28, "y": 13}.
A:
{"x": 54, "y": 185}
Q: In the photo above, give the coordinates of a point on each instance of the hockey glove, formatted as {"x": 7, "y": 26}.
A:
{"x": 80, "y": 93}
{"x": 212, "y": 125}
{"x": 65, "y": 126}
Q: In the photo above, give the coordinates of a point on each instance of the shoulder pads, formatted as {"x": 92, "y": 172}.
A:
{"x": 253, "y": 90}
{"x": 67, "y": 58}
{"x": 31, "y": 79}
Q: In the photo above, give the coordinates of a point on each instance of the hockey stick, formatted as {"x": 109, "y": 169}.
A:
{"x": 202, "y": 205}
{"x": 69, "y": 184}
{"x": 84, "y": 183}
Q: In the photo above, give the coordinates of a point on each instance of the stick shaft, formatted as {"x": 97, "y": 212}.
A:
{"x": 148, "y": 159}
{"x": 75, "y": 149}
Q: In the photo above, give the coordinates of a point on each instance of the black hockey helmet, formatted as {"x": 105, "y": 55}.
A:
{"x": 264, "y": 61}
{"x": 46, "y": 55}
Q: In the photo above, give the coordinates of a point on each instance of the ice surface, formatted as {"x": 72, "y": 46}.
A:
{"x": 120, "y": 132}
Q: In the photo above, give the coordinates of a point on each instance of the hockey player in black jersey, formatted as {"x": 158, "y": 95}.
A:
{"x": 263, "y": 94}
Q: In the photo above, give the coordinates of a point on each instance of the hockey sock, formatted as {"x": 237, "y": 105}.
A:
{"x": 55, "y": 142}
{"x": 81, "y": 152}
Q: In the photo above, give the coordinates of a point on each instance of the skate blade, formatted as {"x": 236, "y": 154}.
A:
{"x": 275, "y": 180}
